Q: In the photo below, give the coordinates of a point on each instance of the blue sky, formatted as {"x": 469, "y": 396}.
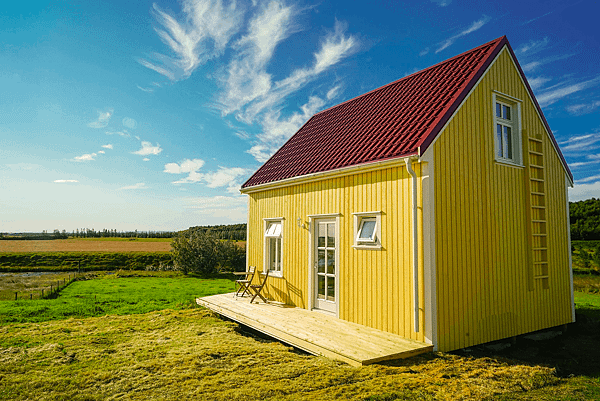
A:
{"x": 149, "y": 115}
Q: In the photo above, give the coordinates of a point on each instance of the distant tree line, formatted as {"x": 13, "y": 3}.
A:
{"x": 234, "y": 232}
{"x": 585, "y": 219}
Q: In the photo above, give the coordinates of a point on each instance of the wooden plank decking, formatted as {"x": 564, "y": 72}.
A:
{"x": 314, "y": 332}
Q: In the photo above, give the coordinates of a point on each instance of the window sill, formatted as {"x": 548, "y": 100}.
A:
{"x": 509, "y": 163}
{"x": 372, "y": 247}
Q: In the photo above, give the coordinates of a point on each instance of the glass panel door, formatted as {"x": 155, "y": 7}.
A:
{"x": 325, "y": 265}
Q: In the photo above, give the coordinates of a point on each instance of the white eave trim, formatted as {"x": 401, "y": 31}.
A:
{"x": 363, "y": 168}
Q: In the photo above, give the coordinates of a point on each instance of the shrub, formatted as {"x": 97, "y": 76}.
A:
{"x": 197, "y": 251}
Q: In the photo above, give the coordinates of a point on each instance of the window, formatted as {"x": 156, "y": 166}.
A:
{"x": 506, "y": 130}
{"x": 273, "y": 245}
{"x": 367, "y": 230}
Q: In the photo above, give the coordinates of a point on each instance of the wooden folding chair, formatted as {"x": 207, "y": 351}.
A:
{"x": 244, "y": 283}
{"x": 257, "y": 288}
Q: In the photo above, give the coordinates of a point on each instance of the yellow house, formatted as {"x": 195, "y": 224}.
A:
{"x": 434, "y": 208}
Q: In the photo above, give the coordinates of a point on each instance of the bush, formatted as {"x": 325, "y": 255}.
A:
{"x": 196, "y": 251}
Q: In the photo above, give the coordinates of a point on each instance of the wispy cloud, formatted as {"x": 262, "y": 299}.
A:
{"x": 231, "y": 208}
{"x": 533, "y": 46}
{"x": 101, "y": 152}
{"x": 65, "y": 181}
{"x": 581, "y": 142}
{"x": 123, "y": 133}
{"x": 442, "y": 3}
{"x": 536, "y": 18}
{"x": 103, "y": 119}
{"x": 474, "y": 27}
{"x": 108, "y": 146}
{"x": 202, "y": 34}
{"x": 86, "y": 157}
{"x": 534, "y": 65}
{"x": 139, "y": 185}
{"x": 588, "y": 179}
{"x": 537, "y": 82}
{"x": 223, "y": 177}
{"x": 129, "y": 123}
{"x": 148, "y": 149}
{"x": 583, "y": 108}
{"x": 554, "y": 95}
{"x": 276, "y": 130}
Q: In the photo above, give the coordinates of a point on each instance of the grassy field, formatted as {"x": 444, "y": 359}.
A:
{"x": 88, "y": 245}
{"x": 111, "y": 293}
{"x": 30, "y": 283}
{"x": 96, "y": 342}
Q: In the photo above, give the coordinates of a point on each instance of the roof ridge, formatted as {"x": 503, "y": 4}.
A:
{"x": 413, "y": 74}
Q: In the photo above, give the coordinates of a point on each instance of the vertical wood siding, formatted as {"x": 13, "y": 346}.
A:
{"x": 483, "y": 262}
{"x": 375, "y": 286}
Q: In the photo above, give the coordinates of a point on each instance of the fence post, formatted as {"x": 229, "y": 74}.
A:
{"x": 16, "y": 296}
{"x": 42, "y": 293}
{"x": 31, "y": 296}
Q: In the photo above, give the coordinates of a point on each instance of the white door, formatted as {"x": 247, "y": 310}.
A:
{"x": 325, "y": 266}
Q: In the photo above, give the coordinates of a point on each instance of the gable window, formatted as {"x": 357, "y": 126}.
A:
{"x": 274, "y": 245}
{"x": 367, "y": 230}
{"x": 506, "y": 130}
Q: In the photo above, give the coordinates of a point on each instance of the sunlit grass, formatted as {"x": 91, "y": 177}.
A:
{"x": 114, "y": 295}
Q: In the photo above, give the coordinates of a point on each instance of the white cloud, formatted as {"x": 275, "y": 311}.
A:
{"x": 147, "y": 90}
{"x": 146, "y": 159}
{"x": 333, "y": 92}
{"x": 109, "y": 146}
{"x": 129, "y": 123}
{"x": 554, "y": 95}
{"x": 536, "y": 18}
{"x": 103, "y": 119}
{"x": 139, "y": 185}
{"x": 203, "y": 33}
{"x": 537, "y": 82}
{"x": 186, "y": 166}
{"x": 533, "y": 46}
{"x": 85, "y": 158}
{"x": 101, "y": 152}
{"x": 442, "y": 3}
{"x": 148, "y": 149}
{"x": 224, "y": 177}
{"x": 584, "y": 191}
{"x": 65, "y": 181}
{"x": 474, "y": 27}
{"x": 583, "y": 108}
{"x": 424, "y": 51}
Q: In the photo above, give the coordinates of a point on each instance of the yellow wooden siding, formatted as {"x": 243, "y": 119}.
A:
{"x": 375, "y": 286}
{"x": 482, "y": 261}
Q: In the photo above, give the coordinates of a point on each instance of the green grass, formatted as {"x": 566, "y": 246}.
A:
{"x": 588, "y": 304}
{"x": 30, "y": 284}
{"x": 114, "y": 295}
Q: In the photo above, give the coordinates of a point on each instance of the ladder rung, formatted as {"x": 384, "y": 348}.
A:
{"x": 539, "y": 221}
{"x": 539, "y": 235}
{"x": 540, "y": 249}
{"x": 539, "y": 277}
{"x": 537, "y": 207}
{"x": 537, "y": 193}
{"x": 536, "y": 179}
{"x": 535, "y": 139}
{"x": 536, "y": 166}
{"x": 540, "y": 263}
{"x": 536, "y": 153}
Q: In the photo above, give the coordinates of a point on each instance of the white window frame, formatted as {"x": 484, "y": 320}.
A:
{"x": 515, "y": 125}
{"x": 359, "y": 220}
{"x": 267, "y": 246}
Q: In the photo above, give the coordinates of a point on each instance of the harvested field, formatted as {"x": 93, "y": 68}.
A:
{"x": 78, "y": 245}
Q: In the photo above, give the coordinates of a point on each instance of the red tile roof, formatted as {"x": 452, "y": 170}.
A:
{"x": 389, "y": 122}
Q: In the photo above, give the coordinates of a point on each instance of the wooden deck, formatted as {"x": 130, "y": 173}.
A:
{"x": 314, "y": 332}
